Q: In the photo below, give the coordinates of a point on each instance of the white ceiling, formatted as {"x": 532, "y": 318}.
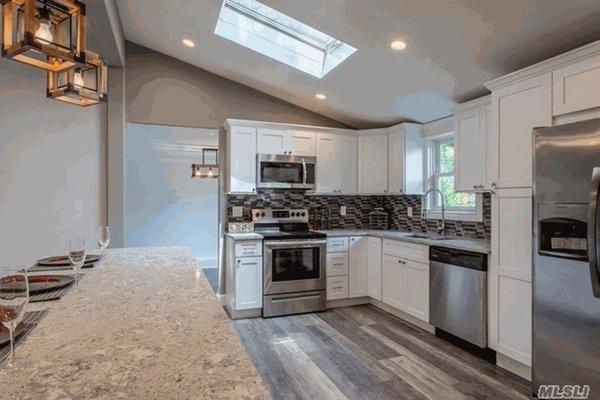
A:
{"x": 454, "y": 47}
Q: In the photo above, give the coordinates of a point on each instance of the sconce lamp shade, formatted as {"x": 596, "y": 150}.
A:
{"x": 83, "y": 85}
{"x": 48, "y": 34}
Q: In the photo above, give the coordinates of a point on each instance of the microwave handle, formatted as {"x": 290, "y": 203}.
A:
{"x": 304, "y": 172}
{"x": 594, "y": 232}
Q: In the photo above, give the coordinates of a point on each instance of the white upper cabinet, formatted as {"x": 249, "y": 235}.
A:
{"x": 575, "y": 86}
{"x": 405, "y": 158}
{"x": 516, "y": 110}
{"x": 471, "y": 139}
{"x": 241, "y": 159}
{"x": 373, "y": 161}
{"x": 273, "y": 141}
{"x": 286, "y": 142}
{"x": 336, "y": 163}
{"x": 303, "y": 143}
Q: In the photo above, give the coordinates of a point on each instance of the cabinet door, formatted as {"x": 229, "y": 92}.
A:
{"x": 509, "y": 306}
{"x": 248, "y": 283}
{"x": 303, "y": 143}
{"x": 272, "y": 141}
{"x": 373, "y": 163}
{"x": 328, "y": 163}
{"x": 417, "y": 290}
{"x": 396, "y": 162}
{"x": 470, "y": 150}
{"x": 375, "y": 267}
{"x": 516, "y": 110}
{"x": 242, "y": 160}
{"x": 394, "y": 282}
{"x": 358, "y": 264}
{"x": 349, "y": 164}
{"x": 337, "y": 287}
{"x": 575, "y": 86}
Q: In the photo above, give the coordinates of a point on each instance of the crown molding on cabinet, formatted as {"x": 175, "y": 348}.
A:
{"x": 545, "y": 66}
{"x": 473, "y": 104}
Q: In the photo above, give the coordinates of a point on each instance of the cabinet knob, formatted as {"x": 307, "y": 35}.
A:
{"x": 474, "y": 186}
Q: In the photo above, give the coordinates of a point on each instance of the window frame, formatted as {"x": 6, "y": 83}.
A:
{"x": 433, "y": 207}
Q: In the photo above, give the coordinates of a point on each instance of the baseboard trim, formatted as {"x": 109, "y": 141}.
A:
{"x": 347, "y": 302}
{"x": 402, "y": 315}
{"x": 513, "y": 366}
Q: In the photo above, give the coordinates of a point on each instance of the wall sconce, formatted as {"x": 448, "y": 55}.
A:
{"x": 210, "y": 165}
{"x": 83, "y": 85}
{"x": 48, "y": 34}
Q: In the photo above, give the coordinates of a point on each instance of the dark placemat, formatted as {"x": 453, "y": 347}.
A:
{"x": 53, "y": 294}
{"x": 31, "y": 319}
{"x": 43, "y": 268}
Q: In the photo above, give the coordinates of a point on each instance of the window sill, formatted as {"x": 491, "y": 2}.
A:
{"x": 455, "y": 215}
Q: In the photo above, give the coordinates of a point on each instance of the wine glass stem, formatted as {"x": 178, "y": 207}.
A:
{"x": 12, "y": 345}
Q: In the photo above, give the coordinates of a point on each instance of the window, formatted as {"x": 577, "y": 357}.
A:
{"x": 280, "y": 37}
{"x": 459, "y": 206}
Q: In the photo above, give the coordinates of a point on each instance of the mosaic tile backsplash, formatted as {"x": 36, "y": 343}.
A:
{"x": 324, "y": 211}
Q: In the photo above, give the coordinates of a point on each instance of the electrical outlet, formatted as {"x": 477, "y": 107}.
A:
{"x": 409, "y": 212}
{"x": 343, "y": 211}
{"x": 237, "y": 212}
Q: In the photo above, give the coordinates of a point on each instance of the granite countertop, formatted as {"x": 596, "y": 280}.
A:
{"x": 245, "y": 236}
{"x": 453, "y": 242}
{"x": 143, "y": 324}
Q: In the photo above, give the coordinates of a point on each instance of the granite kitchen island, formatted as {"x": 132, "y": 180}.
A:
{"x": 144, "y": 324}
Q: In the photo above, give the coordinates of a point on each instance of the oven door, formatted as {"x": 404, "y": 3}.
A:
{"x": 285, "y": 172}
{"x": 294, "y": 266}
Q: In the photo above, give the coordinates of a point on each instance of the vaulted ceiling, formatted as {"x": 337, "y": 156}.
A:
{"x": 454, "y": 46}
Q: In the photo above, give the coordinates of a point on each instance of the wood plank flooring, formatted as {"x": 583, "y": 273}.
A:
{"x": 364, "y": 353}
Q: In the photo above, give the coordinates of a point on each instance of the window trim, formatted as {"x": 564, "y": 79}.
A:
{"x": 433, "y": 211}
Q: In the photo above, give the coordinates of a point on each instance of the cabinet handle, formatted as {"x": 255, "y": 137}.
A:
{"x": 474, "y": 186}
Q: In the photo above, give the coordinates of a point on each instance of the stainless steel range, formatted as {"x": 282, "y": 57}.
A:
{"x": 294, "y": 262}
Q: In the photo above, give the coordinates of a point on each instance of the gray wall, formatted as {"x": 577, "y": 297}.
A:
{"x": 164, "y": 91}
{"x": 164, "y": 205}
{"x": 52, "y": 168}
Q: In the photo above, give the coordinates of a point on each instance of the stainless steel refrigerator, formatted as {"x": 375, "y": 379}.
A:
{"x": 566, "y": 243}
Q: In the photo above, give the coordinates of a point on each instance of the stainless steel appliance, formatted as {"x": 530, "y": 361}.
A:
{"x": 566, "y": 275}
{"x": 285, "y": 172}
{"x": 458, "y": 293}
{"x": 294, "y": 262}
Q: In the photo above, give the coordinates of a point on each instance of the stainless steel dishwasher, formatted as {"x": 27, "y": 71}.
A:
{"x": 458, "y": 293}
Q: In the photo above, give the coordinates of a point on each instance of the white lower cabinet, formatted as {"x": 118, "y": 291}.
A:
{"x": 248, "y": 283}
{"x": 417, "y": 290}
{"x": 244, "y": 277}
{"x": 358, "y": 263}
{"x": 394, "y": 282}
{"x": 337, "y": 287}
{"x": 375, "y": 268}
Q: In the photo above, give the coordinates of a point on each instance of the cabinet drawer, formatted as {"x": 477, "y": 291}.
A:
{"x": 337, "y": 264}
{"x": 248, "y": 248}
{"x": 410, "y": 251}
{"x": 337, "y": 287}
{"x": 336, "y": 244}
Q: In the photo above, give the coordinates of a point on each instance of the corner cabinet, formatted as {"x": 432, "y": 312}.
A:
{"x": 241, "y": 159}
{"x": 406, "y": 154}
{"x": 472, "y": 146}
{"x": 373, "y": 161}
{"x": 516, "y": 110}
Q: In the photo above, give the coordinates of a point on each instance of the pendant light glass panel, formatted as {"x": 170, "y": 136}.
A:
{"x": 83, "y": 85}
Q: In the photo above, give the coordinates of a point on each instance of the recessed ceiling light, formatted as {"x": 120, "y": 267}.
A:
{"x": 398, "y": 45}
{"x": 320, "y": 96}
{"x": 188, "y": 43}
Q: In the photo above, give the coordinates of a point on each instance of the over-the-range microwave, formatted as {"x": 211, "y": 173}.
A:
{"x": 285, "y": 172}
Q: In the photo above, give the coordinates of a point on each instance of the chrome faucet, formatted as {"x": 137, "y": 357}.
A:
{"x": 441, "y": 228}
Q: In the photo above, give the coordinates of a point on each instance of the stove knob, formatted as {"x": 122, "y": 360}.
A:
{"x": 304, "y": 214}
{"x": 292, "y": 214}
{"x": 257, "y": 214}
{"x": 263, "y": 214}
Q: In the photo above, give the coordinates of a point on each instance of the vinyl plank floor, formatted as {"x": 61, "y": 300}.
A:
{"x": 365, "y": 353}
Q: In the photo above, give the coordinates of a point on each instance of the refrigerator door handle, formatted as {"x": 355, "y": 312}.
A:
{"x": 594, "y": 232}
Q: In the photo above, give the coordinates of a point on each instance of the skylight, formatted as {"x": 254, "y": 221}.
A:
{"x": 282, "y": 38}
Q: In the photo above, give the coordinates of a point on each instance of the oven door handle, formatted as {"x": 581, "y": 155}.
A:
{"x": 594, "y": 232}
{"x": 295, "y": 245}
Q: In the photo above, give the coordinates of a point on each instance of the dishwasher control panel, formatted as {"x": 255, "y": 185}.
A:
{"x": 461, "y": 258}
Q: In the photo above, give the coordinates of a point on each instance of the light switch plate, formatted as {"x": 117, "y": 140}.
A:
{"x": 343, "y": 211}
{"x": 237, "y": 212}
{"x": 409, "y": 212}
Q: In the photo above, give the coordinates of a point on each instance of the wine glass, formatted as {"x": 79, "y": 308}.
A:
{"x": 103, "y": 239}
{"x": 14, "y": 297}
{"x": 77, "y": 255}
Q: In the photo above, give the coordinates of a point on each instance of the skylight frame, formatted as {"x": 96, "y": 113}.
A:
{"x": 276, "y": 35}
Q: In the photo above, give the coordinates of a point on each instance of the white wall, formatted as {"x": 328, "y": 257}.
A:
{"x": 52, "y": 168}
{"x": 164, "y": 206}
